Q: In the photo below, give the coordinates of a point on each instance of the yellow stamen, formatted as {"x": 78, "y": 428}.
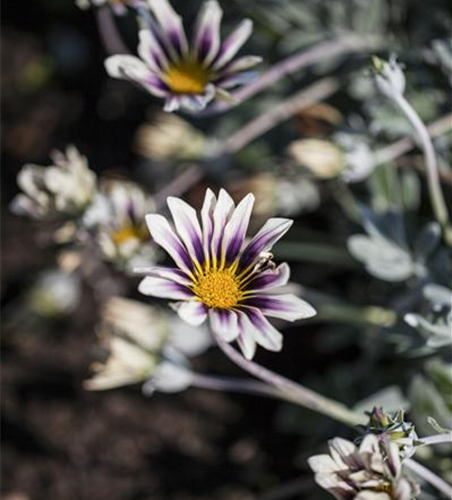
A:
{"x": 187, "y": 77}
{"x": 220, "y": 289}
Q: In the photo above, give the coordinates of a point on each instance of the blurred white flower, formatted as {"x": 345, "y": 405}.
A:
{"x": 371, "y": 472}
{"x": 169, "y": 137}
{"x": 117, "y": 216}
{"x": 56, "y": 293}
{"x": 65, "y": 188}
{"x": 323, "y": 158}
{"x": 144, "y": 345}
{"x": 348, "y": 157}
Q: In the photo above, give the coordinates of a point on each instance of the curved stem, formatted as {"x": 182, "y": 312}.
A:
{"x": 429, "y": 476}
{"x": 306, "y": 57}
{"x": 438, "y": 439}
{"x": 234, "y": 385}
{"x": 397, "y": 149}
{"x": 293, "y": 392}
{"x": 436, "y": 194}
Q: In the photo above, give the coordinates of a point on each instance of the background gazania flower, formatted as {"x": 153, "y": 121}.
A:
{"x": 218, "y": 276}
{"x": 371, "y": 472}
{"x": 186, "y": 75}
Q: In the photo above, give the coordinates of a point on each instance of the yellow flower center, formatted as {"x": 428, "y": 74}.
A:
{"x": 187, "y": 77}
{"x": 218, "y": 288}
{"x": 128, "y": 232}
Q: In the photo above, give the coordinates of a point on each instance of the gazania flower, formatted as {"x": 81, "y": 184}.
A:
{"x": 371, "y": 472}
{"x": 186, "y": 75}
{"x": 118, "y": 216}
{"x": 221, "y": 278}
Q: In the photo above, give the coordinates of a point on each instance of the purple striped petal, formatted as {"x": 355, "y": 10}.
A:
{"x": 171, "y": 24}
{"x": 267, "y": 236}
{"x": 221, "y": 214}
{"x": 236, "y": 228}
{"x": 233, "y": 43}
{"x": 270, "y": 279}
{"x": 192, "y": 312}
{"x": 164, "y": 289}
{"x": 150, "y": 50}
{"x": 167, "y": 273}
{"x": 165, "y": 237}
{"x": 188, "y": 227}
{"x": 224, "y": 323}
{"x": 245, "y": 340}
{"x": 132, "y": 68}
{"x": 207, "y": 31}
{"x": 262, "y": 331}
{"x": 288, "y": 307}
{"x": 207, "y": 210}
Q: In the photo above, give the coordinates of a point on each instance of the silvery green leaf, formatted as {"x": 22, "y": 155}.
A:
{"x": 390, "y": 398}
{"x": 438, "y": 334}
{"x": 436, "y": 427}
{"x": 426, "y": 401}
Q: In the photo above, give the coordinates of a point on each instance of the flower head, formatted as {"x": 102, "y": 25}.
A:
{"x": 65, "y": 188}
{"x": 118, "y": 216}
{"x": 218, "y": 276}
{"x": 145, "y": 344}
{"x": 186, "y": 75}
{"x": 371, "y": 472}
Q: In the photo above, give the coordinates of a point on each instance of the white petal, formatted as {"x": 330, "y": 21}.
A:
{"x": 187, "y": 226}
{"x": 288, "y": 307}
{"x": 164, "y": 236}
{"x": 207, "y": 31}
{"x": 165, "y": 289}
{"x": 224, "y": 323}
{"x": 193, "y": 312}
{"x": 236, "y": 228}
{"x": 233, "y": 43}
{"x": 221, "y": 215}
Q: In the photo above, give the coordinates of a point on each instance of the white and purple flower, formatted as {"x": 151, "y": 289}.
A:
{"x": 187, "y": 75}
{"x": 374, "y": 471}
{"x": 221, "y": 278}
